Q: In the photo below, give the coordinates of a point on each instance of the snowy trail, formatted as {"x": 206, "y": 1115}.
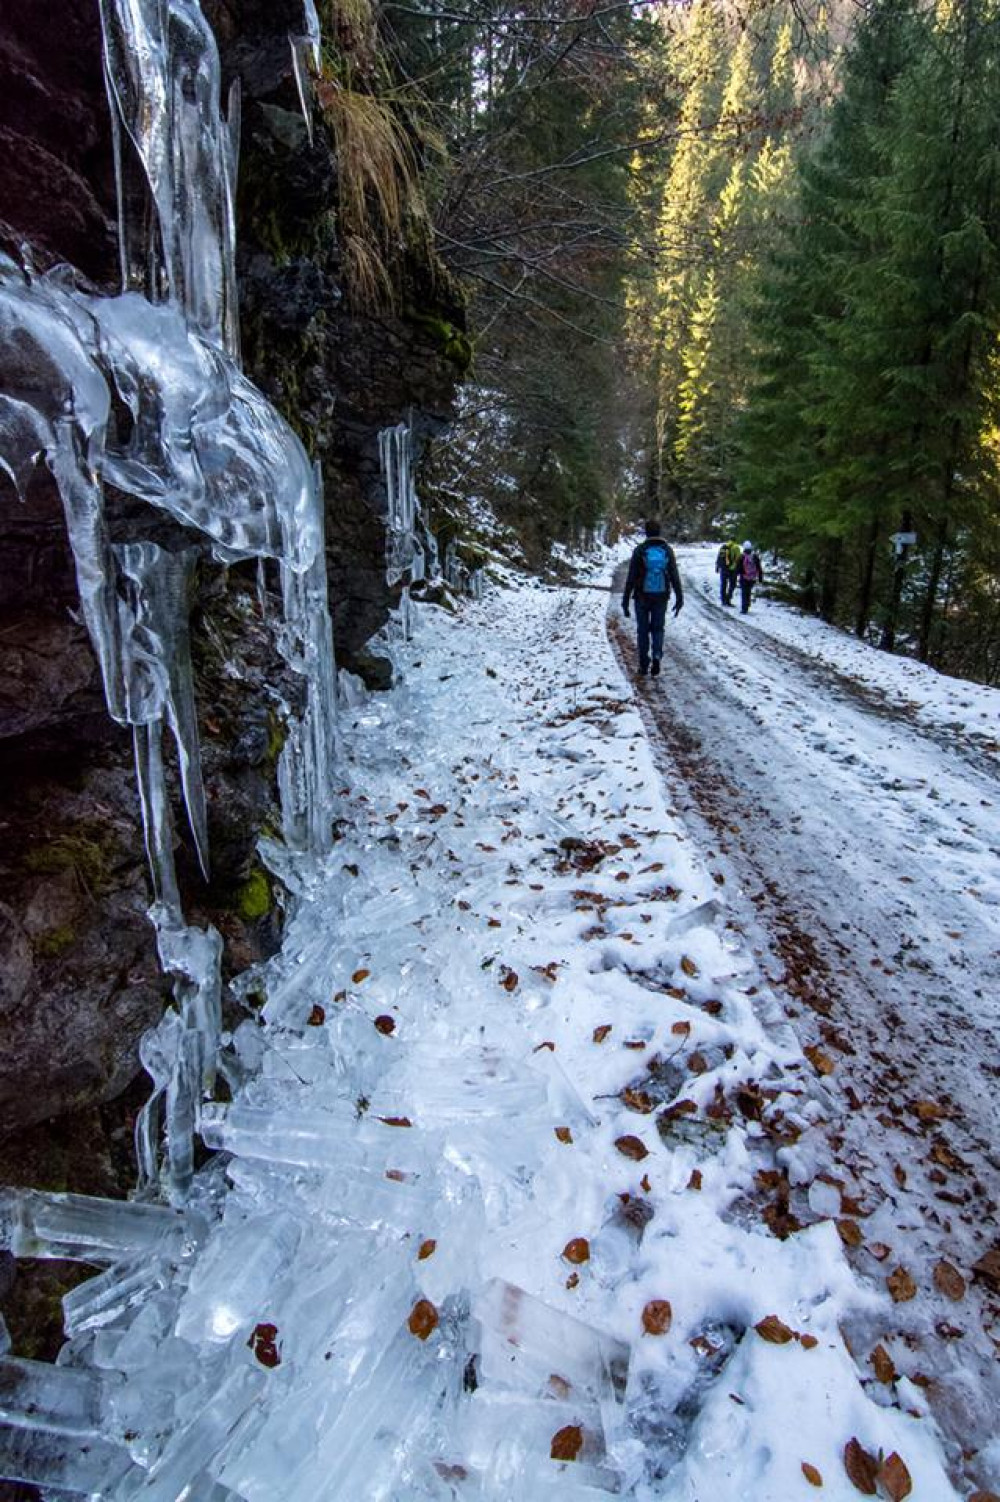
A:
{"x": 857, "y": 826}
{"x": 523, "y": 1190}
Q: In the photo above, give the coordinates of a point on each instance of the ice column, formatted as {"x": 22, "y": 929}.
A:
{"x": 405, "y": 556}
{"x": 163, "y": 78}
{"x": 305, "y": 53}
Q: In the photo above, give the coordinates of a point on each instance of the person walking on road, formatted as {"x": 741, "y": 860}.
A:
{"x": 727, "y": 561}
{"x": 652, "y": 575}
{"x": 749, "y": 571}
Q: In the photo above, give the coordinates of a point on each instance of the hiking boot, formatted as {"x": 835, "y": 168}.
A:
{"x": 656, "y": 667}
{"x": 643, "y": 669}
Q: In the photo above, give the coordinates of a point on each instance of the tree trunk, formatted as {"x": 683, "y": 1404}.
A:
{"x": 830, "y": 580}
{"x": 930, "y": 598}
{"x": 867, "y": 580}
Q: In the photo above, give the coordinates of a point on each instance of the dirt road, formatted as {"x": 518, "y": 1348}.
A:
{"x": 861, "y": 855}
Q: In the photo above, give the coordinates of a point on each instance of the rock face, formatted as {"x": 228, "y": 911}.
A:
{"x": 338, "y": 373}
{"x": 79, "y": 981}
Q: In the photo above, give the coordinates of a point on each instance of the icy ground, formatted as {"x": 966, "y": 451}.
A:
{"x": 530, "y": 1191}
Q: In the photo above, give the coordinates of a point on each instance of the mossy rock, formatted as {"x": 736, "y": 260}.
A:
{"x": 84, "y": 850}
{"x": 53, "y": 942}
{"x": 255, "y": 897}
{"x": 453, "y": 342}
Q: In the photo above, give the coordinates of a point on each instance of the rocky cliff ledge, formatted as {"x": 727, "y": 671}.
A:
{"x": 79, "y": 982}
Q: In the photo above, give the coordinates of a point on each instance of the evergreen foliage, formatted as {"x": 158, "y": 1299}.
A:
{"x": 732, "y": 261}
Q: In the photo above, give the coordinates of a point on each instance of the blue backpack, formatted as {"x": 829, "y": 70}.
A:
{"x": 655, "y": 576}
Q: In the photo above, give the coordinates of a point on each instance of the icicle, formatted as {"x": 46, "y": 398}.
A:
{"x": 156, "y": 657}
{"x": 162, "y": 64}
{"x": 305, "y": 769}
{"x": 405, "y": 556}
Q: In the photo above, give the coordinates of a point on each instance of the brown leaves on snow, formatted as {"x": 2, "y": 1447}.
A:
{"x": 657, "y": 1317}
{"x": 820, "y": 1061}
{"x": 567, "y": 1443}
{"x": 901, "y": 1285}
{"x": 774, "y": 1330}
{"x": 868, "y": 1472}
{"x": 632, "y": 1147}
{"x": 861, "y": 1467}
{"x": 883, "y": 1365}
{"x": 895, "y": 1478}
{"x": 577, "y": 1250}
{"x": 423, "y": 1320}
{"x": 264, "y": 1344}
{"x": 949, "y": 1281}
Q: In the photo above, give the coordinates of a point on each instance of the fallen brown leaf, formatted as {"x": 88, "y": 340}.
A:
{"x": 688, "y": 965}
{"x": 656, "y": 1317}
{"x": 567, "y": 1443}
{"x": 850, "y": 1232}
{"x": 820, "y": 1061}
{"x": 811, "y": 1474}
{"x": 901, "y": 1286}
{"x": 861, "y": 1467}
{"x": 600, "y": 1033}
{"x": 949, "y": 1281}
{"x": 564, "y": 1134}
{"x": 774, "y": 1330}
{"x": 632, "y": 1147}
{"x": 883, "y": 1365}
{"x": 681, "y": 1029}
{"x": 385, "y": 1024}
{"x": 264, "y": 1344}
{"x": 423, "y": 1319}
{"x": 694, "y": 1182}
{"x": 359, "y": 976}
{"x": 577, "y": 1250}
{"x": 637, "y": 1100}
{"x": 988, "y": 1269}
{"x": 894, "y": 1476}
{"x": 427, "y": 1249}
{"x": 317, "y": 1016}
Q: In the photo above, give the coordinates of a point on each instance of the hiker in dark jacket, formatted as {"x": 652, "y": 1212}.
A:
{"x": 727, "y": 562}
{"x": 749, "y": 571}
{"x": 652, "y": 574}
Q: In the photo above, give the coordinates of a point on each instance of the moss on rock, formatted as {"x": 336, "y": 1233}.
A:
{"x": 255, "y": 897}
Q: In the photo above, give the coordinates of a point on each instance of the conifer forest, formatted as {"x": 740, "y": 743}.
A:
{"x": 736, "y": 263}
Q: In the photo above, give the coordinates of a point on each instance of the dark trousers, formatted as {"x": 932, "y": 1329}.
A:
{"x": 746, "y": 590}
{"x": 650, "y": 614}
{"x": 727, "y": 584}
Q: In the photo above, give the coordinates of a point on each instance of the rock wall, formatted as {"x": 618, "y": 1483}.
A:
{"x": 79, "y": 981}
{"x": 338, "y": 373}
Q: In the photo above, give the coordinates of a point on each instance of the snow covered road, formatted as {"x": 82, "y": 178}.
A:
{"x": 524, "y": 1187}
{"x": 851, "y": 802}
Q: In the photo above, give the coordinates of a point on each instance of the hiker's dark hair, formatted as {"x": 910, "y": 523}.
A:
{"x": 653, "y": 527}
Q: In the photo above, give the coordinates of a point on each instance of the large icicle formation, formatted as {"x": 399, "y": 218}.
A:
{"x": 201, "y": 444}
{"x": 412, "y": 551}
{"x": 406, "y": 540}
